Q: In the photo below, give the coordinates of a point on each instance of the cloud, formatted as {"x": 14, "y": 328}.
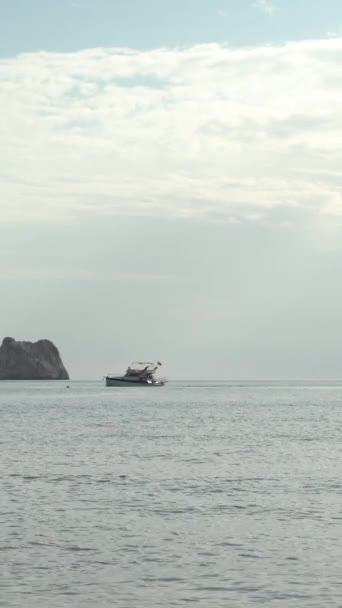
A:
{"x": 265, "y": 6}
{"x": 335, "y": 34}
{"x": 210, "y": 132}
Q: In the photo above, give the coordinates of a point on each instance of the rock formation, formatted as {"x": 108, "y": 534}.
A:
{"x": 31, "y": 361}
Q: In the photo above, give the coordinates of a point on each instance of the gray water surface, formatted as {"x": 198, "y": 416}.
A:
{"x": 204, "y": 494}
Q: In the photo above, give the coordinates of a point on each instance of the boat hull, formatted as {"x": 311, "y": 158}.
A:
{"x": 121, "y": 382}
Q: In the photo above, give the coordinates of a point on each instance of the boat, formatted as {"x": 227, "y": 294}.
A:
{"x": 138, "y": 373}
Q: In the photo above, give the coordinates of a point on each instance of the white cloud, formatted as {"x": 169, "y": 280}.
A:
{"x": 208, "y": 131}
{"x": 265, "y": 6}
{"x": 335, "y": 34}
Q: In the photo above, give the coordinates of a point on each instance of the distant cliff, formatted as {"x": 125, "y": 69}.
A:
{"x": 31, "y": 361}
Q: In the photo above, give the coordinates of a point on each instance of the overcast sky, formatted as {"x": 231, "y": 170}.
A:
{"x": 170, "y": 184}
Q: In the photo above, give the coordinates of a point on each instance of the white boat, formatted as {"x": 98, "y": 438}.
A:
{"x": 139, "y": 373}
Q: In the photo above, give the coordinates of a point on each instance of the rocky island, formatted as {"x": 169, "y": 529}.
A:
{"x": 31, "y": 361}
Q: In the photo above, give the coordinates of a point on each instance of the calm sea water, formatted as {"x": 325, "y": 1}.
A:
{"x": 212, "y": 495}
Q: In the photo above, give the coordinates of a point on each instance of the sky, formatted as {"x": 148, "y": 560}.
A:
{"x": 170, "y": 184}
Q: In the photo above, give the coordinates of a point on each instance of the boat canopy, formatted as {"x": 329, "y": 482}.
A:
{"x": 138, "y": 365}
{"x": 141, "y": 368}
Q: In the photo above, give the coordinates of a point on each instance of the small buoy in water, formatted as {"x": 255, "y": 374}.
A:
{"x": 68, "y": 386}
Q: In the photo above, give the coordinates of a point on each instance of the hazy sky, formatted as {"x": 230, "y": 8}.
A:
{"x": 170, "y": 184}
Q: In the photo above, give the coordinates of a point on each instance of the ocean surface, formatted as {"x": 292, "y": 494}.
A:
{"x": 205, "y": 494}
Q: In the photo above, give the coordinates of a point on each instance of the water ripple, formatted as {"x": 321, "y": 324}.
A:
{"x": 214, "y": 495}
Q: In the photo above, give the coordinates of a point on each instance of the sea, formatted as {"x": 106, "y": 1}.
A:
{"x": 204, "y": 494}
